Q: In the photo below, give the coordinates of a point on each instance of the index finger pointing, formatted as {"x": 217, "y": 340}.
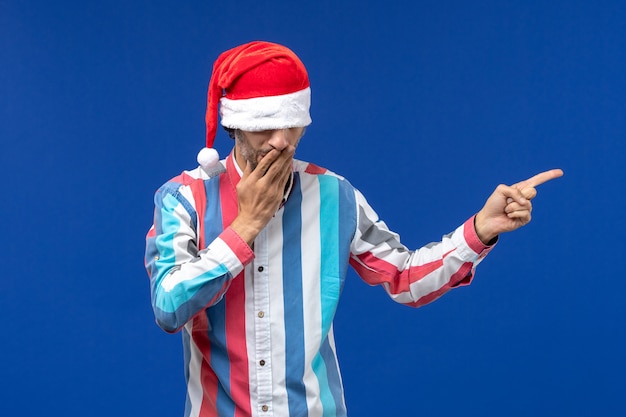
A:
{"x": 542, "y": 177}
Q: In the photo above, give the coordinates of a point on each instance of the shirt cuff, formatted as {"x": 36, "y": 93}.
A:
{"x": 473, "y": 241}
{"x": 239, "y": 246}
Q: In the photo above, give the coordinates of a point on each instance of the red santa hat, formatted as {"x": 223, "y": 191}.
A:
{"x": 258, "y": 86}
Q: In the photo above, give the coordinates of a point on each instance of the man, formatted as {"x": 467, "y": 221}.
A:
{"x": 248, "y": 255}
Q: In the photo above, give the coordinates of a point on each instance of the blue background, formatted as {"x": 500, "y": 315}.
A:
{"x": 424, "y": 105}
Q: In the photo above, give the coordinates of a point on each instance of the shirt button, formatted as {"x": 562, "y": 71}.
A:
{"x": 261, "y": 314}
{"x": 262, "y": 362}
{"x": 265, "y": 408}
{"x": 260, "y": 269}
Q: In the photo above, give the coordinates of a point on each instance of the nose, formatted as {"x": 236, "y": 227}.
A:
{"x": 278, "y": 140}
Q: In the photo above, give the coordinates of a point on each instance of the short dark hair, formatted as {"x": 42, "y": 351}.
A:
{"x": 230, "y": 131}
{"x": 233, "y": 132}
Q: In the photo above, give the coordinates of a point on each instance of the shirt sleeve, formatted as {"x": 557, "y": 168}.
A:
{"x": 183, "y": 279}
{"x": 413, "y": 277}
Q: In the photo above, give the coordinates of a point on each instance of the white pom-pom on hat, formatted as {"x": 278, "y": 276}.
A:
{"x": 208, "y": 158}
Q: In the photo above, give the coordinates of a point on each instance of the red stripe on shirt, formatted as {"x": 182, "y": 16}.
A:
{"x": 235, "y": 297}
{"x": 200, "y": 325}
{"x": 208, "y": 379}
{"x": 456, "y": 278}
{"x": 183, "y": 178}
{"x": 378, "y": 271}
{"x": 314, "y": 169}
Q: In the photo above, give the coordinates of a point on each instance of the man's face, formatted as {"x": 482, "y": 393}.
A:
{"x": 253, "y": 146}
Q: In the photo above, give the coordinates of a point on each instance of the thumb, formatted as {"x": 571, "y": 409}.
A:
{"x": 529, "y": 193}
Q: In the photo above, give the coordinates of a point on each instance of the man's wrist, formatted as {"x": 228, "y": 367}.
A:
{"x": 246, "y": 230}
{"x": 482, "y": 232}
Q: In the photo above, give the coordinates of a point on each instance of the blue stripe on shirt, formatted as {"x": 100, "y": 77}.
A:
{"x": 329, "y": 225}
{"x": 293, "y": 302}
{"x": 333, "y": 378}
{"x": 347, "y": 226}
{"x": 219, "y": 358}
{"x": 167, "y": 225}
{"x": 216, "y": 315}
{"x": 187, "y": 357}
{"x": 213, "y": 214}
{"x": 330, "y": 286}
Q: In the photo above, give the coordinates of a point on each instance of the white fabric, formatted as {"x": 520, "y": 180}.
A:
{"x": 265, "y": 113}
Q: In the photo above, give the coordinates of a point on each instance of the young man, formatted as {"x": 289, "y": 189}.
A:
{"x": 248, "y": 255}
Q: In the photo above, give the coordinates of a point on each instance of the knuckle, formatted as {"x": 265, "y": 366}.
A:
{"x": 506, "y": 190}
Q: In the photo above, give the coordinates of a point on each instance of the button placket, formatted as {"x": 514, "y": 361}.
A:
{"x": 262, "y": 323}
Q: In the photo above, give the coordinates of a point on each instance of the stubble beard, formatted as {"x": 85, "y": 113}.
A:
{"x": 250, "y": 155}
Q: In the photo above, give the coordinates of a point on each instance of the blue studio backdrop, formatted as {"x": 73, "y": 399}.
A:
{"x": 425, "y": 106}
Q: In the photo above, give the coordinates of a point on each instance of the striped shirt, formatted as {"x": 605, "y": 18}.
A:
{"x": 257, "y": 325}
